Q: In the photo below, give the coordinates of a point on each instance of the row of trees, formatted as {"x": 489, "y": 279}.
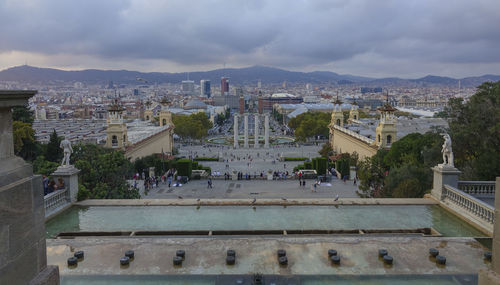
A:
{"x": 194, "y": 126}
{"x": 404, "y": 171}
{"x": 310, "y": 124}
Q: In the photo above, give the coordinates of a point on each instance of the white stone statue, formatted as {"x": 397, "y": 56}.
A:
{"x": 66, "y": 146}
{"x": 447, "y": 151}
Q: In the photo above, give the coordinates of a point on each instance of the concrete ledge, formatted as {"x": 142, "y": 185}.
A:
{"x": 48, "y": 276}
{"x": 281, "y": 202}
{"x": 488, "y": 277}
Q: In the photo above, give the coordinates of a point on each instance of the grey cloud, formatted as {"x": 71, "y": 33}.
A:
{"x": 273, "y": 32}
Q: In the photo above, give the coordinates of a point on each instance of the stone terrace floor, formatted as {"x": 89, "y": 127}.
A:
{"x": 306, "y": 255}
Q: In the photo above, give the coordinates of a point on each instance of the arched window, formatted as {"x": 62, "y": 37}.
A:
{"x": 147, "y": 118}
{"x": 338, "y": 122}
{"x": 389, "y": 139}
{"x": 378, "y": 138}
{"x": 114, "y": 141}
{"x": 355, "y": 117}
{"x": 124, "y": 138}
{"x": 164, "y": 122}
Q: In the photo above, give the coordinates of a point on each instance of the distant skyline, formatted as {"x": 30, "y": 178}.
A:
{"x": 407, "y": 39}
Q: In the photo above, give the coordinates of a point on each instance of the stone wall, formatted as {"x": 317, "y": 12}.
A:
{"x": 23, "y": 257}
{"x": 342, "y": 143}
{"x": 154, "y": 144}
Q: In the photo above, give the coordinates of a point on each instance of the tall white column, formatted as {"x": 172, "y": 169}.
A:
{"x": 256, "y": 131}
{"x": 235, "y": 131}
{"x": 246, "y": 131}
{"x": 266, "y": 131}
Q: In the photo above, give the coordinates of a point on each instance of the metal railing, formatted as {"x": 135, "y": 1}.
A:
{"x": 56, "y": 200}
{"x": 472, "y": 205}
{"x": 479, "y": 189}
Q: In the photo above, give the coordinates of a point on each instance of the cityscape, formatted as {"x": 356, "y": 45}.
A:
{"x": 143, "y": 148}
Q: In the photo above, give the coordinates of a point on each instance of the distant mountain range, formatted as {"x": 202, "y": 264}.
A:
{"x": 248, "y": 75}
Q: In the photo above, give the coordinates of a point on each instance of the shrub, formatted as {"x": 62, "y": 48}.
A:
{"x": 321, "y": 165}
{"x": 206, "y": 159}
{"x": 287, "y": 158}
{"x": 83, "y": 193}
{"x": 308, "y": 165}
{"x": 184, "y": 167}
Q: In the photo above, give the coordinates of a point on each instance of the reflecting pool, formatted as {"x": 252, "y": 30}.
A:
{"x": 175, "y": 218}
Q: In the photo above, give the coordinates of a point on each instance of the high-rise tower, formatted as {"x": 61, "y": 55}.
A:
{"x": 224, "y": 86}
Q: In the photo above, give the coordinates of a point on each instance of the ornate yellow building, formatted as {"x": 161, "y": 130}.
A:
{"x": 116, "y": 132}
{"x": 345, "y": 140}
{"x": 141, "y": 138}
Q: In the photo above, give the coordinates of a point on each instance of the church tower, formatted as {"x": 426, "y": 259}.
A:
{"x": 117, "y": 130}
{"x": 337, "y": 115}
{"x": 354, "y": 113}
{"x": 165, "y": 115}
{"x": 148, "y": 113}
{"x": 386, "y": 129}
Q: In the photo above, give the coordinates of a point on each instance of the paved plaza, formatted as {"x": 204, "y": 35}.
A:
{"x": 228, "y": 189}
{"x": 252, "y": 161}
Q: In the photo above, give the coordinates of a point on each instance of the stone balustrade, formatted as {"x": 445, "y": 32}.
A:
{"x": 56, "y": 201}
{"x": 354, "y": 134}
{"x": 472, "y": 205}
{"x": 478, "y": 189}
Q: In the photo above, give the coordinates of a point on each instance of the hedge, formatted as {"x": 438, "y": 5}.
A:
{"x": 184, "y": 167}
{"x": 287, "y": 158}
{"x": 206, "y": 159}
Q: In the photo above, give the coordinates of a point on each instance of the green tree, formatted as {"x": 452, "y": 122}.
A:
{"x": 371, "y": 173}
{"x": 103, "y": 172}
{"x": 53, "y": 150}
{"x": 325, "y": 150}
{"x": 388, "y": 172}
{"x": 25, "y": 144}
{"x": 310, "y": 124}
{"x": 194, "y": 126}
{"x": 23, "y": 114}
{"x": 475, "y": 132}
{"x": 43, "y": 166}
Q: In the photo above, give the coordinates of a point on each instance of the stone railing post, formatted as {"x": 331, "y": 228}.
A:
{"x": 492, "y": 275}
{"x": 70, "y": 176}
{"x": 443, "y": 174}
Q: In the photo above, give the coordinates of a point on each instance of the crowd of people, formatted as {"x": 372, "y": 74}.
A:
{"x": 50, "y": 185}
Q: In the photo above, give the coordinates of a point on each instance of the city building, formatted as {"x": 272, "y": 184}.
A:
{"x": 224, "y": 86}
{"x": 279, "y": 98}
{"x": 205, "y": 88}
{"x": 187, "y": 87}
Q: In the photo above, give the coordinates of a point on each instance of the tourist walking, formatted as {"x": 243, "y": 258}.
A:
{"x": 209, "y": 183}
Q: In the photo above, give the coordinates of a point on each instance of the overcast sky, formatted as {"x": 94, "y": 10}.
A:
{"x": 378, "y": 38}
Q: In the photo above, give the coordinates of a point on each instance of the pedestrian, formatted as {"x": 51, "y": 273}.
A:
{"x": 45, "y": 181}
{"x": 354, "y": 181}
{"x": 315, "y": 185}
{"x": 209, "y": 183}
